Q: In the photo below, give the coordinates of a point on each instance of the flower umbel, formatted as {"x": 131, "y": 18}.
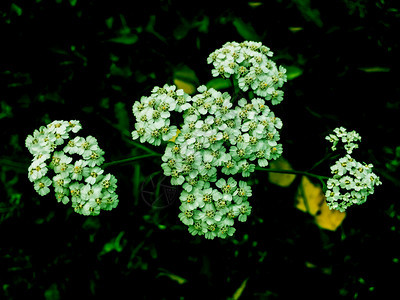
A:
{"x": 349, "y": 139}
{"x": 352, "y": 181}
{"x": 250, "y": 63}
{"x": 220, "y": 134}
{"x": 78, "y": 176}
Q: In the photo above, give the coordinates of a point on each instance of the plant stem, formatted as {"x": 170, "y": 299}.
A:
{"x": 326, "y": 157}
{"x": 147, "y": 149}
{"x": 233, "y": 88}
{"x": 17, "y": 166}
{"x": 130, "y": 159}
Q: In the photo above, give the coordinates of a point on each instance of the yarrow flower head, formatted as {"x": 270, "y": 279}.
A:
{"x": 349, "y": 139}
{"x": 352, "y": 181}
{"x": 77, "y": 174}
{"x": 218, "y": 135}
{"x": 250, "y": 63}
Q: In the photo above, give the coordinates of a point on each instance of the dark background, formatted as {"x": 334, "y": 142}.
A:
{"x": 90, "y": 60}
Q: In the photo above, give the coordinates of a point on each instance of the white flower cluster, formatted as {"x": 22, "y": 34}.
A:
{"x": 211, "y": 211}
{"x": 349, "y": 139}
{"x": 250, "y": 64}
{"x": 352, "y": 181}
{"x": 78, "y": 176}
{"x": 153, "y": 114}
{"x": 216, "y": 136}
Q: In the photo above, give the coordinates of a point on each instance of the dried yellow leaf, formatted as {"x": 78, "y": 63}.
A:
{"x": 329, "y": 219}
{"x": 187, "y": 87}
{"x": 309, "y": 196}
{"x": 311, "y": 199}
{"x": 281, "y": 179}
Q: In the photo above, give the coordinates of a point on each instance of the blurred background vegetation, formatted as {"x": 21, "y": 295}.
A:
{"x": 90, "y": 60}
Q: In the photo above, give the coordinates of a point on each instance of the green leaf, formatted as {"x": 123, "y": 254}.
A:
{"x": 6, "y": 110}
{"x": 309, "y": 14}
{"x": 182, "y": 30}
{"x": 174, "y": 277}
{"x": 219, "y": 83}
{"x": 109, "y": 22}
{"x": 121, "y": 114}
{"x": 293, "y": 72}
{"x": 140, "y": 77}
{"x": 150, "y": 28}
{"x": 246, "y": 30}
{"x": 114, "y": 244}
{"x": 375, "y": 69}
{"x": 295, "y": 29}
{"x": 117, "y": 71}
{"x": 52, "y": 293}
{"x": 202, "y": 26}
{"x": 186, "y": 74}
{"x": 240, "y": 290}
{"x": 15, "y": 8}
{"x": 125, "y": 39}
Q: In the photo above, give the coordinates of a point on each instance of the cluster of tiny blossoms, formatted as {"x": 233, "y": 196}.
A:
{"x": 153, "y": 114}
{"x": 352, "y": 181}
{"x": 349, "y": 139}
{"x": 77, "y": 174}
{"x": 216, "y": 136}
{"x": 250, "y": 65}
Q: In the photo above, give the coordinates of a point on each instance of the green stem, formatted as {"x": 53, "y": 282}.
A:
{"x": 126, "y": 135}
{"x": 233, "y": 88}
{"x": 326, "y": 157}
{"x": 147, "y": 149}
{"x": 17, "y": 166}
{"x": 130, "y": 159}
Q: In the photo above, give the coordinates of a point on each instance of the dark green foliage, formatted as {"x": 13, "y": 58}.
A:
{"x": 90, "y": 60}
